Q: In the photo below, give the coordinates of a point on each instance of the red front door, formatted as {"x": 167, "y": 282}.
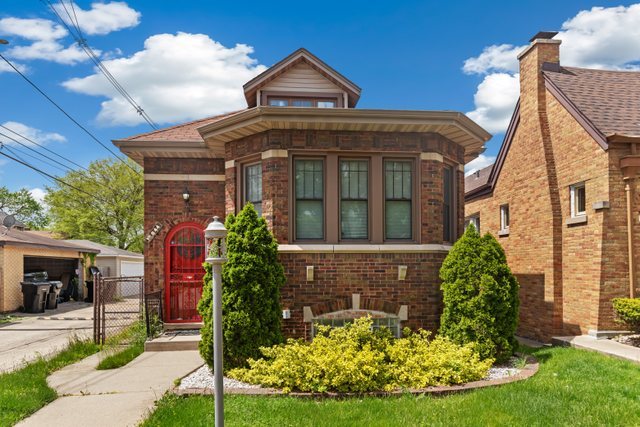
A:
{"x": 184, "y": 255}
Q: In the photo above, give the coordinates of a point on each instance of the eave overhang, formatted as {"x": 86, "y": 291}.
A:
{"x": 453, "y": 125}
{"x": 138, "y": 150}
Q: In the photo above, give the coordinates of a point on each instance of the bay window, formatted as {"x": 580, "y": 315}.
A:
{"x": 253, "y": 186}
{"x": 447, "y": 205}
{"x": 398, "y": 176}
{"x": 354, "y": 199}
{"x": 309, "y": 198}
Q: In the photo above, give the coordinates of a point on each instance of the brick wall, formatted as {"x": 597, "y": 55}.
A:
{"x": 373, "y": 276}
{"x": 567, "y": 273}
{"x": 164, "y": 205}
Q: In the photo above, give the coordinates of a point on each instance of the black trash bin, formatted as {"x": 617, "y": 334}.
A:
{"x": 34, "y": 296}
{"x": 54, "y": 292}
{"x": 93, "y": 270}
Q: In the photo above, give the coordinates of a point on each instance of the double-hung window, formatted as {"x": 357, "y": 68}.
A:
{"x": 253, "y": 186}
{"x": 578, "y": 200}
{"x": 354, "y": 199}
{"x": 398, "y": 199}
{"x": 447, "y": 205}
{"x": 504, "y": 218}
{"x": 309, "y": 199}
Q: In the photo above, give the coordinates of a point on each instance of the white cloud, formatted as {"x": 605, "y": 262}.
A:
{"x": 33, "y": 134}
{"x": 495, "y": 58}
{"x": 596, "y": 38}
{"x": 102, "y": 18}
{"x": 174, "y": 78}
{"x": 495, "y": 99}
{"x": 5, "y": 68}
{"x": 38, "y": 194}
{"x": 478, "y": 163}
{"x": 45, "y": 37}
{"x": 48, "y": 39}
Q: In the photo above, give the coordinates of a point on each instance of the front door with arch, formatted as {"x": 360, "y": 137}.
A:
{"x": 184, "y": 256}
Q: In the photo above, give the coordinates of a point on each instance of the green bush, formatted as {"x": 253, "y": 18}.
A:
{"x": 354, "y": 358}
{"x": 628, "y": 312}
{"x": 251, "y": 282}
{"x": 480, "y": 296}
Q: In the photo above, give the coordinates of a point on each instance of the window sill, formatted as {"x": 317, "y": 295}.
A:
{"x": 503, "y": 233}
{"x": 576, "y": 220}
{"x": 364, "y": 248}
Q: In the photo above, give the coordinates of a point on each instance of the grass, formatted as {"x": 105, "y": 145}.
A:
{"x": 8, "y": 319}
{"x": 135, "y": 336}
{"x": 573, "y": 387}
{"x": 24, "y": 391}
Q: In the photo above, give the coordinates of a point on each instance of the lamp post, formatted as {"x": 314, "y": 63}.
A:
{"x": 216, "y": 246}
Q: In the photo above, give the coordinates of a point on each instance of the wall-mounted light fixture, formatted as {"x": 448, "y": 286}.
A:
{"x": 185, "y": 194}
{"x": 402, "y": 272}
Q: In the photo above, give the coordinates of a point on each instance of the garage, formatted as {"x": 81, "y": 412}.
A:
{"x": 114, "y": 262}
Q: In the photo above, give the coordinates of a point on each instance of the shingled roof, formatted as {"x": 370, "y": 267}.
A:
{"x": 185, "y": 132}
{"x": 610, "y": 100}
{"x": 477, "y": 178}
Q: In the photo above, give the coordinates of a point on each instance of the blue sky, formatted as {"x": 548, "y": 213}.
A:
{"x": 404, "y": 55}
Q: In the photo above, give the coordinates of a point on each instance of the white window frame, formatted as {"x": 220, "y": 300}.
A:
{"x": 505, "y": 217}
{"x": 475, "y": 220}
{"x": 574, "y": 201}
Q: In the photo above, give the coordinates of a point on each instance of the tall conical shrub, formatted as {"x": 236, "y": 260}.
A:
{"x": 480, "y": 296}
{"x": 251, "y": 282}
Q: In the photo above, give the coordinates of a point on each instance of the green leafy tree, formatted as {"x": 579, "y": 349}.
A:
{"x": 108, "y": 209}
{"x": 24, "y": 207}
{"x": 480, "y": 296}
{"x": 251, "y": 282}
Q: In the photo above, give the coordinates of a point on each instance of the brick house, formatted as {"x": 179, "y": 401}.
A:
{"x": 562, "y": 196}
{"x": 364, "y": 203}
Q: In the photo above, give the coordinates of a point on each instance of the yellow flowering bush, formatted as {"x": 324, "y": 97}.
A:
{"x": 356, "y": 359}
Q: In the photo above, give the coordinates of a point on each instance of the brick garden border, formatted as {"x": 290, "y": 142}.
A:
{"x": 530, "y": 369}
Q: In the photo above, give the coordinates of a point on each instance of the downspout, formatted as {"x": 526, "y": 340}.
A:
{"x": 632, "y": 270}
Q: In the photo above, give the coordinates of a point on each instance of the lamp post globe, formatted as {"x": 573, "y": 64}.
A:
{"x": 215, "y": 238}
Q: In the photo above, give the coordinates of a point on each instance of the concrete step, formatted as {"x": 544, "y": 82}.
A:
{"x": 182, "y": 326}
{"x": 174, "y": 341}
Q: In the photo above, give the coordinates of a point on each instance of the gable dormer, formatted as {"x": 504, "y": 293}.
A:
{"x": 301, "y": 80}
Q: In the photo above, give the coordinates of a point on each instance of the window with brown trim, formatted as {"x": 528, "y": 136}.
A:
{"x": 448, "y": 222}
{"x": 284, "y": 101}
{"x": 398, "y": 205}
{"x": 309, "y": 198}
{"x": 354, "y": 199}
{"x": 253, "y": 186}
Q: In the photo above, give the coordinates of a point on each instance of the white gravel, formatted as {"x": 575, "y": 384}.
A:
{"x": 203, "y": 378}
{"x": 503, "y": 371}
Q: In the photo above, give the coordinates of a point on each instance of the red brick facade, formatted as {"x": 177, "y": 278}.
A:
{"x": 568, "y": 273}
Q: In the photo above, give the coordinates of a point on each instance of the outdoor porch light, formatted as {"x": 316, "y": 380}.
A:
{"x": 185, "y": 194}
{"x": 215, "y": 236}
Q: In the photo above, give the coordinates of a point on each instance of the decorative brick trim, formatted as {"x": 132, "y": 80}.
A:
{"x": 230, "y": 164}
{"x": 432, "y": 156}
{"x": 360, "y": 249}
{"x": 274, "y": 153}
{"x": 182, "y": 177}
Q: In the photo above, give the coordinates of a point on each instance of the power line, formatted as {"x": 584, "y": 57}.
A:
{"x": 53, "y": 177}
{"x": 42, "y": 146}
{"x": 38, "y": 153}
{"x": 32, "y": 156}
{"x": 66, "y": 114}
{"x": 6, "y": 147}
{"x": 77, "y": 35}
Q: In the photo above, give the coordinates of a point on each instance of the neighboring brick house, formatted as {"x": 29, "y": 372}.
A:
{"x": 556, "y": 196}
{"x": 364, "y": 203}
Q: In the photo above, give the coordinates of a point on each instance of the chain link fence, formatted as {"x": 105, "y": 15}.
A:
{"x": 118, "y": 305}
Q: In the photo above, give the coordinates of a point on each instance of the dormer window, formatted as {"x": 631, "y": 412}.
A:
{"x": 280, "y": 101}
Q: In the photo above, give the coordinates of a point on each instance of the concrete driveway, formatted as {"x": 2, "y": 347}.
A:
{"x": 43, "y": 334}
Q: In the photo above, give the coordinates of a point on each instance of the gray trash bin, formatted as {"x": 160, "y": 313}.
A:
{"x": 34, "y": 296}
{"x": 54, "y": 292}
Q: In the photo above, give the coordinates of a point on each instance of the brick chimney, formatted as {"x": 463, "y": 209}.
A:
{"x": 543, "y": 49}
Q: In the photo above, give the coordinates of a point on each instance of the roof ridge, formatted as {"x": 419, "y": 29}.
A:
{"x": 600, "y": 70}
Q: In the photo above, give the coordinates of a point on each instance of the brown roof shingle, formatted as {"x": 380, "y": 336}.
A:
{"x": 185, "y": 132}
{"x": 610, "y": 100}
{"x": 476, "y": 179}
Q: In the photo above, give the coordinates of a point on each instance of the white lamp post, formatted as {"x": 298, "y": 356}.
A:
{"x": 216, "y": 246}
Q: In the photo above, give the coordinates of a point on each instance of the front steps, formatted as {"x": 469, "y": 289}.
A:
{"x": 176, "y": 337}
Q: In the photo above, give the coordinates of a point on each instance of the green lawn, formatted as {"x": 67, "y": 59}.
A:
{"x": 25, "y": 391}
{"x": 573, "y": 387}
{"x": 124, "y": 347}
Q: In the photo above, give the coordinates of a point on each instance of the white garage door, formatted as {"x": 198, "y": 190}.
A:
{"x": 128, "y": 268}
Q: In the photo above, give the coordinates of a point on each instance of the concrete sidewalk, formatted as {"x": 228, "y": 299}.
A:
{"x": 604, "y": 346}
{"x": 43, "y": 334}
{"x": 118, "y": 397}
